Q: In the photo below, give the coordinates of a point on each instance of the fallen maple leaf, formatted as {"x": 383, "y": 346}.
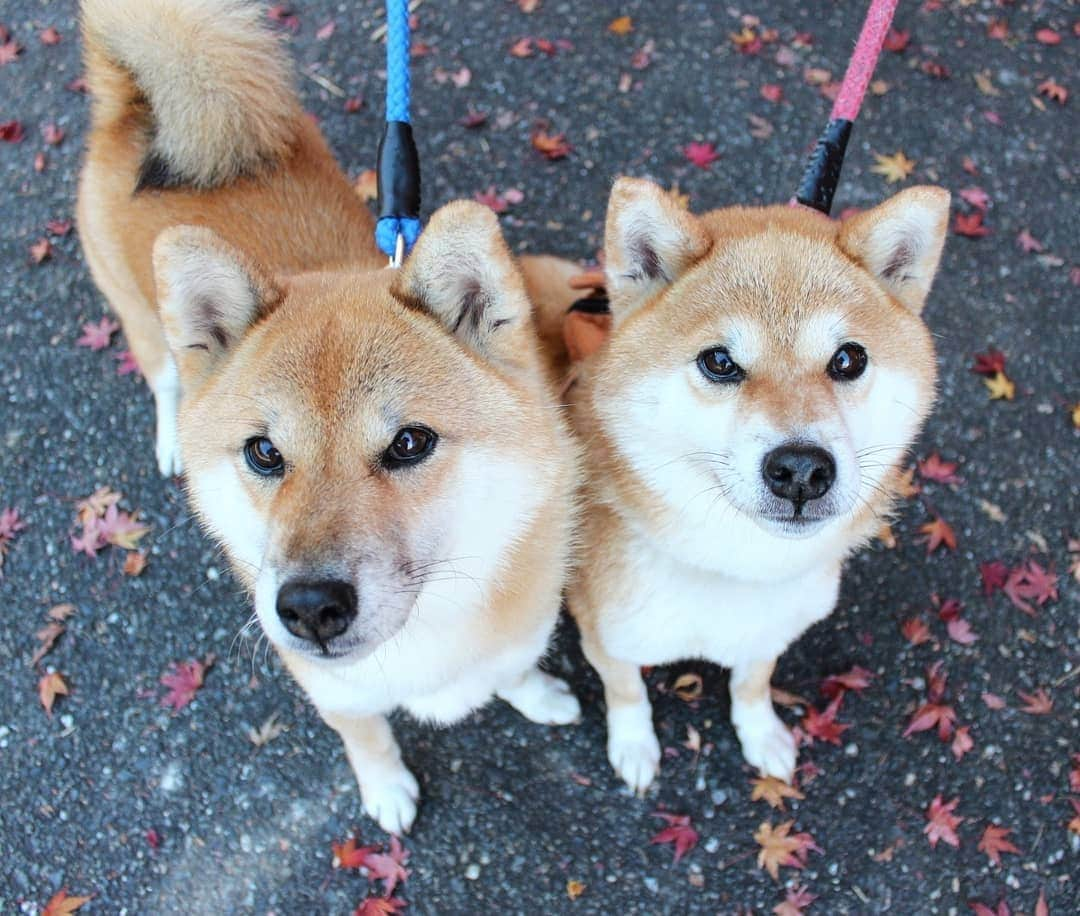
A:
{"x": 894, "y": 168}
{"x": 98, "y": 336}
{"x": 349, "y": 855}
{"x": 1030, "y": 582}
{"x": 772, "y": 92}
{"x": 11, "y": 131}
{"x": 41, "y": 250}
{"x": 47, "y": 637}
{"x": 127, "y": 363}
{"x": 930, "y": 715}
{"x": 970, "y": 225}
{"x": 575, "y": 889}
{"x": 624, "y": 25}
{"x": 937, "y": 533}
{"x": 183, "y": 680}
{"x": 701, "y": 154}
{"x": 52, "y": 134}
{"x": 781, "y": 848}
{"x": 678, "y": 832}
{"x": 989, "y": 363}
{"x": 1054, "y": 91}
{"x": 823, "y": 725}
{"x": 962, "y": 742}
{"x": 551, "y": 146}
{"x": 993, "y": 701}
{"x": 994, "y": 576}
{"x": 1000, "y": 387}
{"x": 795, "y": 901}
{"x": 1048, "y": 37}
{"x": 9, "y": 51}
{"x": 997, "y": 29}
{"x": 49, "y": 36}
{"x": 134, "y": 563}
{"x": 941, "y": 823}
{"x": 960, "y": 631}
{"x": 10, "y": 526}
{"x": 50, "y": 686}
{"x": 326, "y": 31}
{"x": 977, "y": 197}
{"x": 857, "y": 679}
{"x": 1028, "y": 243}
{"x": 993, "y": 842}
{"x": 1038, "y": 703}
{"x": 773, "y": 791}
{"x": 60, "y": 904}
{"x": 896, "y": 40}
{"x": 388, "y": 867}
{"x": 935, "y": 469}
{"x": 915, "y": 631}
{"x": 380, "y": 906}
{"x": 981, "y": 909}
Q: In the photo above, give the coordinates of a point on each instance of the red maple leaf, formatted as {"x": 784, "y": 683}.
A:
{"x": 701, "y": 154}
{"x": 941, "y": 823}
{"x": 551, "y": 146}
{"x": 9, "y": 50}
{"x": 1028, "y": 243}
{"x": 126, "y": 364}
{"x": 935, "y": 469}
{"x": 1074, "y": 775}
{"x": 1053, "y": 90}
{"x": 960, "y": 631}
{"x": 772, "y": 92}
{"x": 41, "y": 250}
{"x": 994, "y": 576}
{"x": 49, "y": 36}
{"x": 98, "y": 336}
{"x": 795, "y": 901}
{"x": 60, "y": 904}
{"x": 60, "y": 227}
{"x": 962, "y": 742}
{"x": 53, "y": 134}
{"x": 1048, "y": 37}
{"x": 184, "y": 680}
{"x": 981, "y": 909}
{"x": 915, "y": 631}
{"x": 937, "y": 533}
{"x": 998, "y": 29}
{"x": 380, "y": 906}
{"x": 10, "y": 526}
{"x": 823, "y": 725}
{"x": 473, "y": 119}
{"x": 388, "y": 867}
{"x": 349, "y": 855}
{"x": 977, "y": 197}
{"x": 1030, "y": 582}
{"x": 930, "y": 715}
{"x": 989, "y": 363}
{"x": 970, "y": 225}
{"x": 897, "y": 40}
{"x": 993, "y": 701}
{"x": 678, "y": 832}
{"x": 994, "y": 843}
{"x": 11, "y": 131}
{"x": 1038, "y": 703}
{"x": 857, "y": 679}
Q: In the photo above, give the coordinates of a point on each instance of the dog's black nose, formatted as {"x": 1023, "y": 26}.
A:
{"x": 316, "y": 611}
{"x": 799, "y": 472}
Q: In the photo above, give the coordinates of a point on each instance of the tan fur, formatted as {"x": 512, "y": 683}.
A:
{"x": 256, "y": 297}
{"x": 775, "y": 285}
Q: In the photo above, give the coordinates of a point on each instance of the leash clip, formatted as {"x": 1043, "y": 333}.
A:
{"x": 399, "y": 252}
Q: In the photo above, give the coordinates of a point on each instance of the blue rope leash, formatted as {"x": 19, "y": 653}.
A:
{"x": 399, "y": 166}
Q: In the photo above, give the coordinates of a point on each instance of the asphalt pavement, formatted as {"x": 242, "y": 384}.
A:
{"x": 153, "y": 811}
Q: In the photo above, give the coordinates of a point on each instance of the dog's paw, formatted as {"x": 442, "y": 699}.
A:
{"x": 391, "y": 799}
{"x": 167, "y": 449}
{"x": 632, "y": 747}
{"x": 768, "y": 744}
{"x": 542, "y": 698}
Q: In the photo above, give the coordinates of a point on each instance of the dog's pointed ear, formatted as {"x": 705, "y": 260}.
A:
{"x": 462, "y": 274}
{"x": 900, "y": 242}
{"x": 649, "y": 240}
{"x": 208, "y": 293}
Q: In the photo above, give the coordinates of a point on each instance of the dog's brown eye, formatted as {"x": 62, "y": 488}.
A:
{"x": 717, "y": 366}
{"x": 263, "y": 458}
{"x": 411, "y": 444}
{"x": 847, "y": 363}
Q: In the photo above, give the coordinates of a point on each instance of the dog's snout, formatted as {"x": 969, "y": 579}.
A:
{"x": 316, "y": 611}
{"x": 799, "y": 472}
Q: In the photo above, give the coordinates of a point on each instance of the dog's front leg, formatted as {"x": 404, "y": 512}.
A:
{"x": 539, "y": 697}
{"x": 633, "y": 749}
{"x": 766, "y": 742}
{"x": 388, "y": 790}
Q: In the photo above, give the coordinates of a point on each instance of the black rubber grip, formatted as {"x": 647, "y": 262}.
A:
{"x": 398, "y": 172}
{"x": 822, "y": 173}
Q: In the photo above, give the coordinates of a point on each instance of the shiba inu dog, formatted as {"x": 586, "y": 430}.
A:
{"x": 745, "y": 421}
{"x": 377, "y": 450}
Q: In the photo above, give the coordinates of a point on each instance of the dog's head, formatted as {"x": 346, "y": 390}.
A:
{"x": 361, "y": 441}
{"x": 768, "y": 367}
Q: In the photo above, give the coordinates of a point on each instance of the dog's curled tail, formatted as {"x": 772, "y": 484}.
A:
{"x": 203, "y": 85}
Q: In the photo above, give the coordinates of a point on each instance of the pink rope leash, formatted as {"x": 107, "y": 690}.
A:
{"x": 822, "y": 173}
